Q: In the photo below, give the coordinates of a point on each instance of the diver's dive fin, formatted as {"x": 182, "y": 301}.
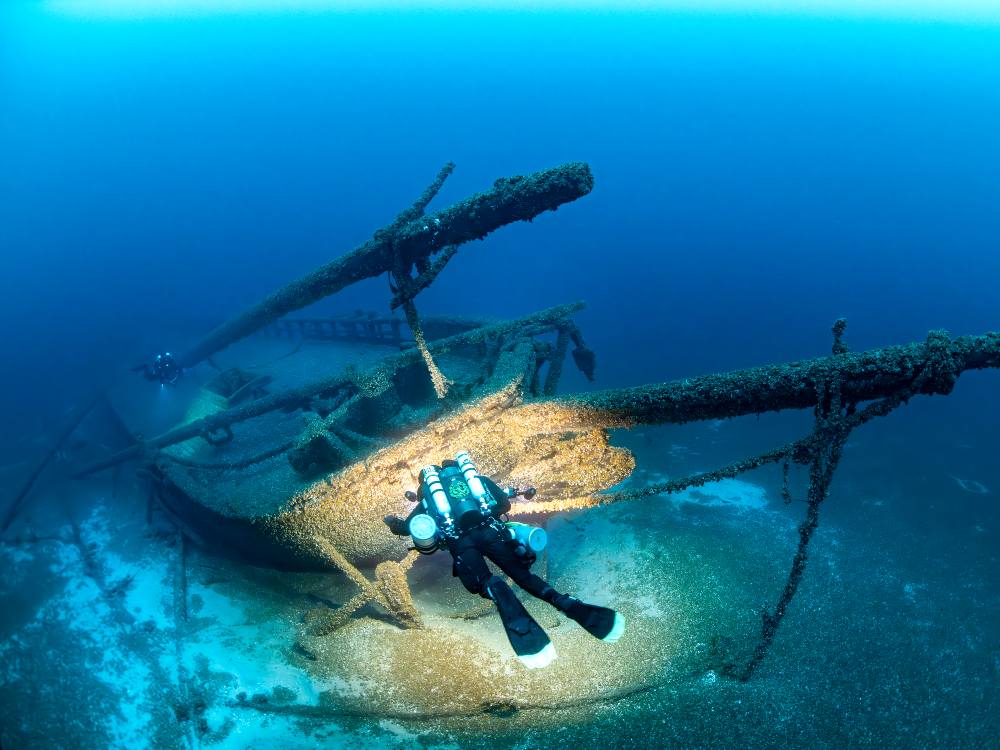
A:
{"x": 600, "y": 622}
{"x": 526, "y": 636}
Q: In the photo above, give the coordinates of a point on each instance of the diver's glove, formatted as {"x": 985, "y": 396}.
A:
{"x": 526, "y": 554}
{"x": 396, "y": 524}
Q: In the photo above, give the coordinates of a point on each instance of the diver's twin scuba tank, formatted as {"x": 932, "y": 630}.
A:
{"x": 466, "y": 503}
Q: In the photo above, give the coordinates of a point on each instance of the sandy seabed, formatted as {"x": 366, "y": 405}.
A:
{"x": 117, "y": 633}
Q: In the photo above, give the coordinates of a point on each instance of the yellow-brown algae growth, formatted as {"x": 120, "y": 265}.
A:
{"x": 510, "y": 441}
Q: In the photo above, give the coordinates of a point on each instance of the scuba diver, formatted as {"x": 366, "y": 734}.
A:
{"x": 164, "y": 370}
{"x": 460, "y": 510}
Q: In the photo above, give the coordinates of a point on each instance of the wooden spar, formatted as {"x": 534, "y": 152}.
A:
{"x": 213, "y": 424}
{"x": 877, "y": 373}
{"x": 412, "y": 238}
{"x": 68, "y": 429}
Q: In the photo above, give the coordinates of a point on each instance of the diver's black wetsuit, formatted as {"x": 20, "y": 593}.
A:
{"x": 486, "y": 540}
{"x": 484, "y": 536}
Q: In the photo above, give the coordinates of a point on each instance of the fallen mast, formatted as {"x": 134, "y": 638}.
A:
{"x": 412, "y": 239}
{"x": 864, "y": 376}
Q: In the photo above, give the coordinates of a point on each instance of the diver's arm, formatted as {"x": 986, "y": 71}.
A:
{"x": 401, "y": 526}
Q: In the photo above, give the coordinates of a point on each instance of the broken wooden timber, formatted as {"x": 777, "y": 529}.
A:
{"x": 214, "y": 424}
{"x": 511, "y": 199}
{"x": 74, "y": 420}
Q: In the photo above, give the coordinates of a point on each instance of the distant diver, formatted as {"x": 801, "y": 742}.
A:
{"x": 461, "y": 510}
{"x": 164, "y": 370}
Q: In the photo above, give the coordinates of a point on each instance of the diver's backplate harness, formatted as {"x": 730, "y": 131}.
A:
{"x": 455, "y": 499}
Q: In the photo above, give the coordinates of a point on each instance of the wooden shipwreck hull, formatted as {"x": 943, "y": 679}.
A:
{"x": 322, "y": 465}
{"x": 243, "y": 475}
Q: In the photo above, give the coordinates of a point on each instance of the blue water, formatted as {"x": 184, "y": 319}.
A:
{"x": 757, "y": 176}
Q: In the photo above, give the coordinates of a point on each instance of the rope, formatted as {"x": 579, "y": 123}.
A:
{"x": 404, "y": 287}
{"x": 438, "y": 379}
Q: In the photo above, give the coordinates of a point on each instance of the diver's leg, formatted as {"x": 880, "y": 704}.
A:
{"x": 471, "y": 568}
{"x": 600, "y": 622}
{"x": 501, "y": 552}
{"x": 473, "y": 573}
{"x": 526, "y": 636}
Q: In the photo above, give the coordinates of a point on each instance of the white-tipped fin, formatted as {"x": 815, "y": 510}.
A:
{"x": 542, "y": 659}
{"x": 616, "y": 630}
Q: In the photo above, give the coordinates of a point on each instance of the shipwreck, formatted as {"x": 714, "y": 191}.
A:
{"x": 294, "y": 462}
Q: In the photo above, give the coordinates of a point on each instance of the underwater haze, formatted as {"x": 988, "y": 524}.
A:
{"x": 759, "y": 172}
